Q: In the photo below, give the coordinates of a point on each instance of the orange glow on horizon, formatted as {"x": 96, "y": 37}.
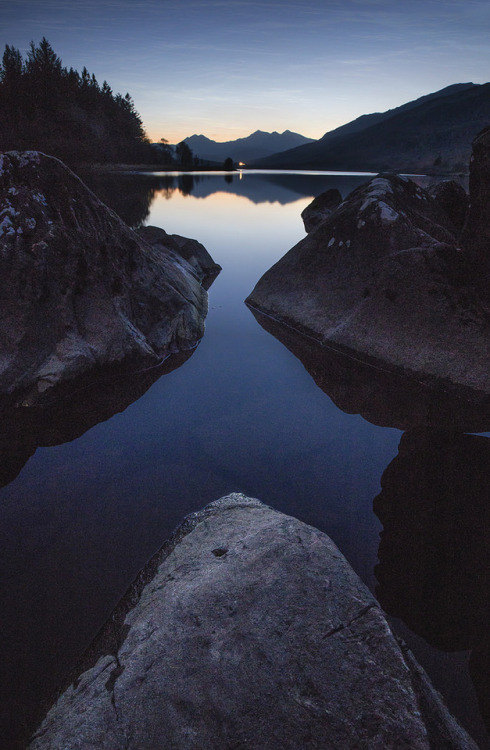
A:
{"x": 156, "y": 132}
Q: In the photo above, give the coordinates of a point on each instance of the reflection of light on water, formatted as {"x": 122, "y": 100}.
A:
{"x": 241, "y": 173}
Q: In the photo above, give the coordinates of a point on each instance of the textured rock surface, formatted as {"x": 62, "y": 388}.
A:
{"x": 248, "y": 630}
{"x": 78, "y": 288}
{"x": 382, "y": 276}
{"x": 320, "y": 208}
{"x": 476, "y": 234}
{"x": 453, "y": 200}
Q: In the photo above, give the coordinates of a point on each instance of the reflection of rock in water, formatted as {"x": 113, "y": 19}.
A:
{"x": 74, "y": 408}
{"x": 382, "y": 396}
{"x": 434, "y": 554}
{"x": 129, "y": 195}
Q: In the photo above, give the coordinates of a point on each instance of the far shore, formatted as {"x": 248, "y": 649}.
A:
{"x": 103, "y": 168}
{"x": 150, "y": 168}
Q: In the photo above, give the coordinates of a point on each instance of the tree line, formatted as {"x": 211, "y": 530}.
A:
{"x": 47, "y": 107}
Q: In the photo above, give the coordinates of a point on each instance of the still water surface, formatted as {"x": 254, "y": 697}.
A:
{"x": 242, "y": 413}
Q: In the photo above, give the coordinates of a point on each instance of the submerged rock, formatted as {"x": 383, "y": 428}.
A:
{"x": 78, "y": 288}
{"x": 248, "y": 629}
{"x": 383, "y": 277}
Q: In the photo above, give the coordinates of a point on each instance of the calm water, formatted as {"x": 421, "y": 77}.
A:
{"x": 249, "y": 412}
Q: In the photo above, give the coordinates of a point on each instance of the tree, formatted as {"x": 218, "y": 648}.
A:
{"x": 12, "y": 66}
{"x": 228, "y": 164}
{"x": 43, "y": 61}
{"x": 184, "y": 155}
{"x": 165, "y": 155}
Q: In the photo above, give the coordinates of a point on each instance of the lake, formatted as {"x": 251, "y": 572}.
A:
{"x": 90, "y": 492}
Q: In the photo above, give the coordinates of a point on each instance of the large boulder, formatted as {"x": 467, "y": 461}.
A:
{"x": 78, "y": 288}
{"x": 248, "y": 630}
{"x": 383, "y": 277}
{"x": 476, "y": 233}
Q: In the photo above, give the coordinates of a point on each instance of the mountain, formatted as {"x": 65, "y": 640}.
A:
{"x": 255, "y": 146}
{"x": 431, "y": 134}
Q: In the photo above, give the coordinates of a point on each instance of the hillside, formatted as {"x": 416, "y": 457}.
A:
{"x": 431, "y": 134}
{"x": 255, "y": 146}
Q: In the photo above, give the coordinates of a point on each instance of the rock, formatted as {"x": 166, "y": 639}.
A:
{"x": 248, "y": 630}
{"x": 476, "y": 234}
{"x": 79, "y": 288}
{"x": 453, "y": 200}
{"x": 321, "y": 208}
{"x": 382, "y": 277}
{"x": 192, "y": 251}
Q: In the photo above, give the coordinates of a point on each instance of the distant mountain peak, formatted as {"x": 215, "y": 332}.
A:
{"x": 254, "y": 146}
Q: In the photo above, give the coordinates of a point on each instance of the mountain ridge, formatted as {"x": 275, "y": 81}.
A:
{"x": 257, "y": 145}
{"x": 431, "y": 134}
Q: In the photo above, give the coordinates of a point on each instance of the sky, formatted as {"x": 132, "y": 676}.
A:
{"x": 225, "y": 68}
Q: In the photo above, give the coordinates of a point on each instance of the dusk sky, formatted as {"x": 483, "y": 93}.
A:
{"x": 225, "y": 68}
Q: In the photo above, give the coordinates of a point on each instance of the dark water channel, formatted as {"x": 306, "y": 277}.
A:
{"x": 90, "y": 491}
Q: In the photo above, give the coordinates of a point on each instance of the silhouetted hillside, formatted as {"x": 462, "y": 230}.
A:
{"x": 431, "y": 134}
{"x": 46, "y": 107}
{"x": 254, "y": 146}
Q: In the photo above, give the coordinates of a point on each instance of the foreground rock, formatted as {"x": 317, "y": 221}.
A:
{"x": 248, "y": 630}
{"x": 78, "y": 288}
{"x": 383, "y": 277}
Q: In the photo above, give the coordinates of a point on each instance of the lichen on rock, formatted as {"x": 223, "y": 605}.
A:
{"x": 79, "y": 289}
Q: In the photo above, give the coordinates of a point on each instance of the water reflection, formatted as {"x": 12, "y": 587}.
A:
{"x": 434, "y": 553}
{"x": 381, "y": 396}
{"x": 72, "y": 409}
{"x": 131, "y": 195}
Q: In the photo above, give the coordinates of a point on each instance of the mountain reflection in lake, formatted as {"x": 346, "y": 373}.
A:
{"x": 80, "y": 518}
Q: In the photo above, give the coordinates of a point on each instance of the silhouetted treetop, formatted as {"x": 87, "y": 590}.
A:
{"x": 47, "y": 107}
{"x": 184, "y": 155}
